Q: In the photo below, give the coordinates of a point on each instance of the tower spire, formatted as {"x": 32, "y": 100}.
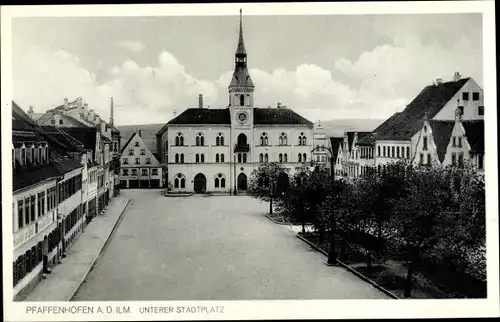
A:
{"x": 241, "y": 45}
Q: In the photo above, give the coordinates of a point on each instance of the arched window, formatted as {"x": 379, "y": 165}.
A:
{"x": 200, "y": 139}
{"x": 179, "y": 139}
{"x": 304, "y": 157}
{"x": 220, "y": 181}
{"x": 179, "y": 181}
{"x": 183, "y": 183}
{"x": 202, "y": 158}
{"x": 222, "y": 157}
{"x": 266, "y": 158}
{"x": 285, "y": 157}
{"x": 239, "y": 157}
{"x": 300, "y": 157}
{"x": 264, "y": 139}
{"x": 244, "y": 158}
{"x": 219, "y": 140}
{"x": 182, "y": 157}
{"x": 283, "y": 139}
{"x": 302, "y": 139}
{"x": 177, "y": 158}
{"x": 249, "y": 100}
{"x": 242, "y": 100}
{"x": 281, "y": 157}
{"x": 261, "y": 158}
{"x": 217, "y": 157}
{"x": 197, "y": 158}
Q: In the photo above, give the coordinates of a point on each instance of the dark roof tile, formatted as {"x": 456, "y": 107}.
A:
{"x": 474, "y": 130}
{"x": 441, "y": 132}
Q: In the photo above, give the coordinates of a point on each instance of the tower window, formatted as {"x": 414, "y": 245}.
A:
{"x": 242, "y": 100}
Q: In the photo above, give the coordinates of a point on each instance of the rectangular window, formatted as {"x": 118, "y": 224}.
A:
{"x": 125, "y": 160}
{"x": 143, "y": 151}
{"x": 20, "y": 219}
{"x": 461, "y": 110}
{"x": 137, "y": 160}
{"x": 425, "y": 143}
{"x": 154, "y": 172}
{"x": 480, "y": 110}
{"x": 134, "y": 172}
{"x": 461, "y": 159}
{"x": 429, "y": 160}
{"x": 421, "y": 158}
{"x": 475, "y": 96}
{"x": 454, "y": 142}
{"x": 459, "y": 142}
{"x": 125, "y": 172}
{"x": 144, "y": 172}
{"x": 453, "y": 158}
{"x": 26, "y": 211}
{"x": 465, "y": 96}
{"x": 384, "y": 151}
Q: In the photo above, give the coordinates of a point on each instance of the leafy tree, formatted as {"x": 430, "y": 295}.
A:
{"x": 415, "y": 217}
{"x": 263, "y": 182}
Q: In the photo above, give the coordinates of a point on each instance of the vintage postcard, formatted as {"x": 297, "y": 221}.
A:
{"x": 249, "y": 161}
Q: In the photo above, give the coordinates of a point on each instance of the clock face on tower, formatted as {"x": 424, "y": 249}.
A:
{"x": 242, "y": 117}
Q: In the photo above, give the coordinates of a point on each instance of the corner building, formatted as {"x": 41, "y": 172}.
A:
{"x": 216, "y": 150}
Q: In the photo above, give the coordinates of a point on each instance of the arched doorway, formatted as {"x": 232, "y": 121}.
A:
{"x": 200, "y": 183}
{"x": 242, "y": 182}
{"x": 242, "y": 139}
{"x": 282, "y": 184}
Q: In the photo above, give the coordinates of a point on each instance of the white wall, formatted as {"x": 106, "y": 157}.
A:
{"x": 470, "y": 106}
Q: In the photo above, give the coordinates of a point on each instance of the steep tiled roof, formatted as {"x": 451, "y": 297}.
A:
{"x": 86, "y": 135}
{"x": 241, "y": 77}
{"x": 335, "y": 144}
{"x": 474, "y": 130}
{"x": 202, "y": 116}
{"x": 278, "y": 116}
{"x": 70, "y": 144}
{"x": 430, "y": 100}
{"x": 124, "y": 146}
{"x": 222, "y": 116}
{"x": 441, "y": 132}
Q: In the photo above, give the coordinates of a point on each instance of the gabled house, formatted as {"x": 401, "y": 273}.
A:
{"x": 139, "y": 167}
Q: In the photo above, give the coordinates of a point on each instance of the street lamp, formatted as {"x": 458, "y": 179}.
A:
{"x": 332, "y": 253}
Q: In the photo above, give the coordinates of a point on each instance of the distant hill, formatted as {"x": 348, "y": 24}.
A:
{"x": 148, "y": 133}
{"x": 331, "y": 128}
{"x": 337, "y": 127}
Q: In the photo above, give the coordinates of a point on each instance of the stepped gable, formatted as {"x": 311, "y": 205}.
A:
{"x": 441, "y": 133}
{"x": 335, "y": 143}
{"x": 430, "y": 100}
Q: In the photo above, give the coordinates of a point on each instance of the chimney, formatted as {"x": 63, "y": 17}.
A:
{"x": 200, "y": 101}
{"x": 97, "y": 119}
{"x": 91, "y": 115}
{"x": 30, "y": 112}
{"x": 439, "y": 81}
{"x": 111, "y": 112}
{"x": 85, "y": 110}
{"x": 66, "y": 104}
{"x": 457, "y": 77}
{"x": 79, "y": 102}
{"x": 278, "y": 105}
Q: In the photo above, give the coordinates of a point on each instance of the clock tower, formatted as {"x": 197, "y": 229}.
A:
{"x": 241, "y": 88}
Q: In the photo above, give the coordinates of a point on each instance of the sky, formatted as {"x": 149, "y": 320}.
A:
{"x": 322, "y": 66}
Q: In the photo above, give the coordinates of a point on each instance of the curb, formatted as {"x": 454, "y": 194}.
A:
{"x": 352, "y": 270}
{"x": 276, "y": 222}
{"x": 106, "y": 242}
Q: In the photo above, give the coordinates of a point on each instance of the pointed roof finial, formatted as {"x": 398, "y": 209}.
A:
{"x": 241, "y": 45}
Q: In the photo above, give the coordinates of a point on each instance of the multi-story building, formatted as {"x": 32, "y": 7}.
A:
{"x": 139, "y": 167}
{"x": 45, "y": 175}
{"x": 404, "y": 135}
{"x": 352, "y": 155}
{"x": 320, "y": 154}
{"x": 217, "y": 149}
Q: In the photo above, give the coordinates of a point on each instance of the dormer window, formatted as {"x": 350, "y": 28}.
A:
{"x": 136, "y": 144}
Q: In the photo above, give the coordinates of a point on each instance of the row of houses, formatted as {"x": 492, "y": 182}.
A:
{"x": 443, "y": 125}
{"x": 65, "y": 171}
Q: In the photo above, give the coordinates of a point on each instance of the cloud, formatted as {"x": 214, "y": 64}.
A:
{"x": 378, "y": 83}
{"x": 132, "y": 46}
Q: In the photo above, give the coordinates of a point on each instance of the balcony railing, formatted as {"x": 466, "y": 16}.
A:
{"x": 241, "y": 147}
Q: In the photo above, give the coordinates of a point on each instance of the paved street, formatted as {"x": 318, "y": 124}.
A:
{"x": 211, "y": 248}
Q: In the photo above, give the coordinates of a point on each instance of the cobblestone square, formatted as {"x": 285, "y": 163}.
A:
{"x": 211, "y": 248}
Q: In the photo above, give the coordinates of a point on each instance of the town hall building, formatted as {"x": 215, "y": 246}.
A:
{"x": 216, "y": 150}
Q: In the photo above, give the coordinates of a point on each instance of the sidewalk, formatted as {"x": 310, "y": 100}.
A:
{"x": 65, "y": 278}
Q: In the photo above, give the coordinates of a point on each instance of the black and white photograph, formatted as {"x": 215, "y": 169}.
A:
{"x": 179, "y": 161}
